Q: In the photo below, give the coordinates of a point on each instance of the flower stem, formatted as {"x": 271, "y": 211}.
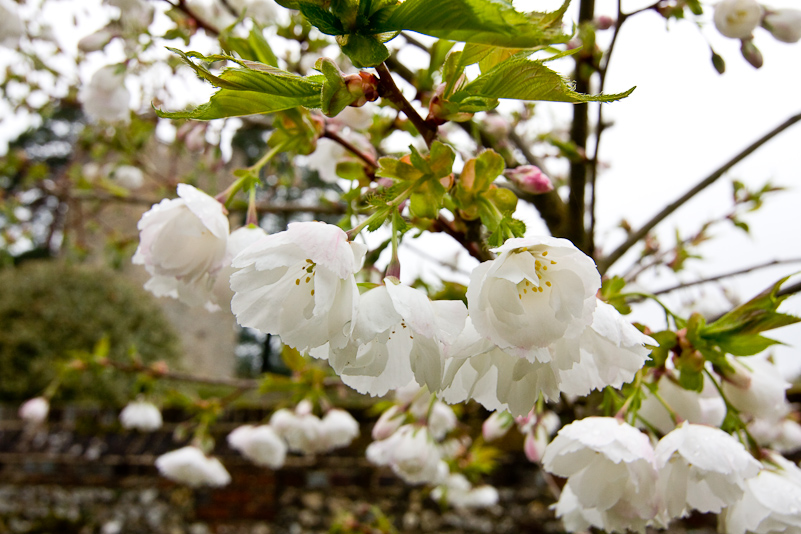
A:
{"x": 384, "y": 211}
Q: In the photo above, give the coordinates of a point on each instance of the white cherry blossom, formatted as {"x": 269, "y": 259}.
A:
{"x": 299, "y": 284}
{"x": 412, "y": 455}
{"x": 757, "y": 387}
{"x": 397, "y": 339}
{"x": 784, "y": 24}
{"x": 701, "y": 468}
{"x": 141, "y": 415}
{"x": 129, "y": 177}
{"x": 537, "y": 291}
{"x": 771, "y": 504}
{"x": 190, "y": 466}
{"x": 611, "y": 474}
{"x": 737, "y": 18}
{"x": 339, "y": 428}
{"x": 182, "y": 244}
{"x": 259, "y": 444}
{"x": 105, "y": 97}
{"x": 459, "y": 493}
{"x": 34, "y": 411}
{"x": 704, "y": 408}
{"x": 11, "y": 26}
{"x": 782, "y": 435}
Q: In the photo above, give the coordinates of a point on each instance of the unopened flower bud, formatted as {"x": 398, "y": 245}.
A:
{"x": 363, "y": 86}
{"x": 751, "y": 53}
{"x": 34, "y": 411}
{"x": 536, "y": 442}
{"x": 737, "y": 18}
{"x": 390, "y": 421}
{"x": 497, "y": 425}
{"x": 784, "y": 24}
{"x": 530, "y": 179}
{"x": 604, "y": 22}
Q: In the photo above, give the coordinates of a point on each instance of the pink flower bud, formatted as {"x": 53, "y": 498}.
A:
{"x": 604, "y": 22}
{"x": 784, "y": 24}
{"x": 362, "y": 85}
{"x": 751, "y": 53}
{"x": 536, "y": 441}
{"x": 388, "y": 423}
{"x": 530, "y": 179}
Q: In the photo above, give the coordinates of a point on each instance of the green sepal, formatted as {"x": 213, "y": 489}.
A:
{"x": 335, "y": 94}
{"x": 691, "y": 371}
{"x": 666, "y": 339}
{"x": 611, "y": 289}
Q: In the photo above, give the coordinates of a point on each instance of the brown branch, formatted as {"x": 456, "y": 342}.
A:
{"x": 238, "y": 383}
{"x": 387, "y": 89}
{"x": 635, "y": 237}
{"x": 789, "y": 290}
{"x": 347, "y": 145}
{"x": 473, "y": 248}
{"x": 726, "y": 275}
{"x": 184, "y": 8}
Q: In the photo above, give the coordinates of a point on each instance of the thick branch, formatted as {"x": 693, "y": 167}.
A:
{"x": 390, "y": 91}
{"x": 636, "y": 236}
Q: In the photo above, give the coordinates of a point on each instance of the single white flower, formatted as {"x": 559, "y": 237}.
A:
{"x": 259, "y": 444}
{"x": 34, "y": 411}
{"x": 737, "y": 18}
{"x": 359, "y": 118}
{"x": 263, "y": 11}
{"x": 459, "y": 493}
{"x": 339, "y": 429}
{"x": 771, "y": 504}
{"x": 190, "y": 466}
{"x": 397, "y": 339}
{"x": 182, "y": 244}
{"x": 537, "y": 291}
{"x": 704, "y": 408}
{"x": 782, "y": 435}
{"x": 701, "y": 468}
{"x": 97, "y": 40}
{"x": 299, "y": 284}
{"x": 129, "y": 177}
{"x": 412, "y": 455}
{"x": 135, "y": 15}
{"x": 611, "y": 472}
{"x": 11, "y": 26}
{"x": 141, "y": 415}
{"x": 105, "y": 97}
{"x": 784, "y": 24}
{"x": 757, "y": 387}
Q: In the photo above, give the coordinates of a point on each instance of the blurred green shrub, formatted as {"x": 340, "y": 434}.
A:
{"x": 48, "y": 309}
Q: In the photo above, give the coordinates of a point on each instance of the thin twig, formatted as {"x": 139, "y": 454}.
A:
{"x": 635, "y": 237}
{"x": 789, "y": 290}
{"x": 347, "y": 145}
{"x": 390, "y": 91}
{"x": 472, "y": 247}
{"x": 238, "y": 383}
{"x": 726, "y": 275}
{"x": 184, "y": 8}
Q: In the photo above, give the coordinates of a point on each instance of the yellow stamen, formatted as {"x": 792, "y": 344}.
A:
{"x": 297, "y": 282}
{"x": 548, "y": 284}
{"x": 545, "y": 253}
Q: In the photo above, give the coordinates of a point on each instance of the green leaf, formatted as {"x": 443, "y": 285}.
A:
{"x": 363, "y": 50}
{"x": 254, "y": 88}
{"x": 524, "y": 79}
{"x": 753, "y": 317}
{"x": 335, "y": 95}
{"x": 746, "y": 344}
{"x": 255, "y": 47}
{"x": 610, "y": 293}
{"x": 666, "y": 340}
{"x": 492, "y": 22}
{"x": 322, "y": 19}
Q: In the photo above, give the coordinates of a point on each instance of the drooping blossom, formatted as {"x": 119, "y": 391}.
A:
{"x": 339, "y": 428}
{"x": 459, "y": 493}
{"x": 537, "y": 291}
{"x": 306, "y": 433}
{"x": 782, "y": 435}
{"x": 611, "y": 475}
{"x": 701, "y": 468}
{"x": 396, "y": 340}
{"x": 299, "y": 284}
{"x": 412, "y": 454}
{"x": 34, "y": 411}
{"x": 737, "y": 18}
{"x": 756, "y": 387}
{"x": 129, "y": 177}
{"x": 703, "y": 408}
{"x": 141, "y": 415}
{"x": 497, "y": 425}
{"x": 784, "y": 24}
{"x": 259, "y": 444}
{"x": 190, "y": 466}
{"x": 262, "y": 11}
{"x": 771, "y": 503}
{"x": 538, "y": 430}
{"x": 389, "y": 421}
{"x": 182, "y": 244}
{"x": 105, "y": 97}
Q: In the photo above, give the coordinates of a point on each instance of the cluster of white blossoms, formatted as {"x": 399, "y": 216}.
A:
{"x": 191, "y": 466}
{"x": 141, "y": 415}
{"x": 618, "y": 481}
{"x": 297, "y": 431}
{"x": 737, "y": 19}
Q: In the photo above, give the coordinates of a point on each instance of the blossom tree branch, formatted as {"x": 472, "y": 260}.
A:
{"x": 727, "y": 275}
{"x": 636, "y": 236}
{"x": 347, "y": 145}
{"x": 390, "y": 91}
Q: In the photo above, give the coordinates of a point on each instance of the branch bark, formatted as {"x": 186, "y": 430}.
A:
{"x": 635, "y": 237}
{"x": 390, "y": 91}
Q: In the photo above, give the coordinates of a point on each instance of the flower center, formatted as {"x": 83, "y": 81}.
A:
{"x": 308, "y": 276}
{"x": 528, "y": 287}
